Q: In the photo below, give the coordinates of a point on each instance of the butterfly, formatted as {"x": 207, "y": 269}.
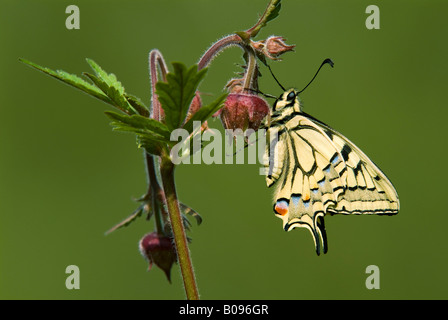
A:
{"x": 316, "y": 171}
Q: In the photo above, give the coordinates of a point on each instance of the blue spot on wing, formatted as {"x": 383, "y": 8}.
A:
{"x": 335, "y": 160}
{"x": 282, "y": 203}
{"x": 296, "y": 199}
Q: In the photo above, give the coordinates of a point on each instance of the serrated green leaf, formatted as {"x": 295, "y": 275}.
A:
{"x": 105, "y": 87}
{"x": 139, "y": 122}
{"x": 120, "y": 99}
{"x": 138, "y": 105}
{"x": 151, "y": 146}
{"x": 176, "y": 94}
{"x": 71, "y": 80}
{"x": 100, "y": 84}
{"x": 109, "y": 79}
{"x": 117, "y": 100}
{"x": 110, "y": 85}
{"x": 205, "y": 112}
{"x": 152, "y": 135}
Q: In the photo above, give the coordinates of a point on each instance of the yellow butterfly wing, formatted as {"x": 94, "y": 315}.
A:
{"x": 317, "y": 171}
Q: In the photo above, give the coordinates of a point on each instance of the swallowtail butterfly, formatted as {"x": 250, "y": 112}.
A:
{"x": 316, "y": 171}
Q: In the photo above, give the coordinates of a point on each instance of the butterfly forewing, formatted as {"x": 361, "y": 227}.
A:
{"x": 316, "y": 171}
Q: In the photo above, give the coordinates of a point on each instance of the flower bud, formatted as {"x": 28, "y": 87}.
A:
{"x": 160, "y": 250}
{"x": 272, "y": 47}
{"x": 195, "y": 105}
{"x": 243, "y": 111}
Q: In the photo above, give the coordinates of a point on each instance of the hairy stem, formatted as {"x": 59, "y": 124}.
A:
{"x": 169, "y": 196}
{"x": 154, "y": 191}
{"x": 180, "y": 239}
{"x": 250, "y": 76}
{"x": 156, "y": 59}
{"x": 156, "y": 62}
{"x": 217, "y": 47}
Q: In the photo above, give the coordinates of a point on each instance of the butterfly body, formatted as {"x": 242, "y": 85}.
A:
{"x": 316, "y": 171}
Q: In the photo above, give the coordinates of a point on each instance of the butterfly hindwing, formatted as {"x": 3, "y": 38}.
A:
{"x": 368, "y": 190}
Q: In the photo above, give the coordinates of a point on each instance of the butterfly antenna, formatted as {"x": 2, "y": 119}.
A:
{"x": 329, "y": 61}
{"x": 263, "y": 94}
{"x": 276, "y": 80}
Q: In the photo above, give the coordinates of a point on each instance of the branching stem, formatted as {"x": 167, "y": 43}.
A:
{"x": 177, "y": 227}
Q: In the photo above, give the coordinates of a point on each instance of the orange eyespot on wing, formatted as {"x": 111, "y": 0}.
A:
{"x": 281, "y": 207}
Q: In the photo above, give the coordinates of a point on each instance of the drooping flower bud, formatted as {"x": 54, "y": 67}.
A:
{"x": 160, "y": 250}
{"x": 272, "y": 47}
{"x": 243, "y": 111}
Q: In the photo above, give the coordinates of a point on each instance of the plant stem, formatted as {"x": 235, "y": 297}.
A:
{"x": 156, "y": 59}
{"x": 235, "y": 39}
{"x": 154, "y": 191}
{"x": 169, "y": 187}
{"x": 177, "y": 226}
{"x": 217, "y": 47}
{"x": 250, "y": 77}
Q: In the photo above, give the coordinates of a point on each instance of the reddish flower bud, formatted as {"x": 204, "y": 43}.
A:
{"x": 160, "y": 250}
{"x": 272, "y": 47}
{"x": 195, "y": 105}
{"x": 243, "y": 111}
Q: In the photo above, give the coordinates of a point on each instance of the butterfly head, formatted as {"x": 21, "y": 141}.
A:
{"x": 288, "y": 100}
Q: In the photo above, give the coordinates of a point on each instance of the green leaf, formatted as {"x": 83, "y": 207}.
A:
{"x": 109, "y": 84}
{"x": 137, "y": 213}
{"x": 97, "y": 82}
{"x": 176, "y": 94}
{"x": 138, "y": 105}
{"x": 71, "y": 80}
{"x": 151, "y": 146}
{"x": 117, "y": 99}
{"x": 105, "y": 87}
{"x": 205, "y": 112}
{"x": 109, "y": 79}
{"x": 152, "y": 135}
{"x": 139, "y": 122}
{"x": 272, "y": 11}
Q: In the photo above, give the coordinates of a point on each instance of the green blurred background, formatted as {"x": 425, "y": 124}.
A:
{"x": 65, "y": 177}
